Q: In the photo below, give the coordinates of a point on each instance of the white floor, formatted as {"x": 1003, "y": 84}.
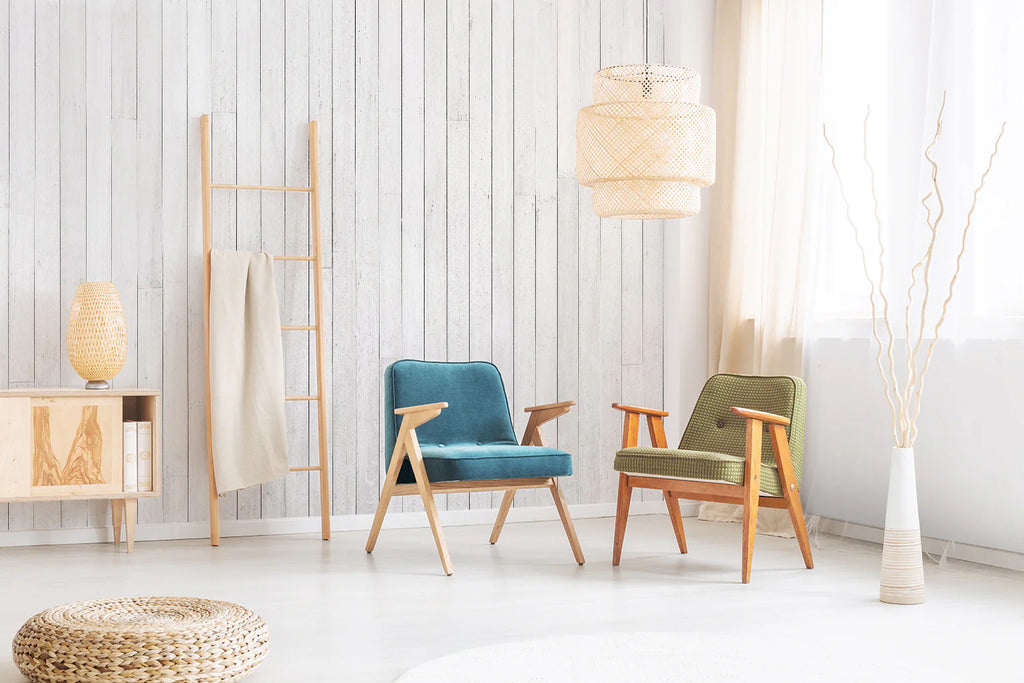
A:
{"x": 336, "y": 613}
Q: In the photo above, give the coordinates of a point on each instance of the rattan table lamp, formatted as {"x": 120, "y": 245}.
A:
{"x": 97, "y": 333}
{"x": 646, "y": 146}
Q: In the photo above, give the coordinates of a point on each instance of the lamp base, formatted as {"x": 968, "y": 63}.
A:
{"x": 97, "y": 384}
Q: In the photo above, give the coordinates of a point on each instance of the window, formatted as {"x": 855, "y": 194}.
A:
{"x": 898, "y": 58}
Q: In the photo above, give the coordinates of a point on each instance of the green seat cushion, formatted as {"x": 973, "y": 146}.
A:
{"x": 702, "y": 465}
{"x": 470, "y": 462}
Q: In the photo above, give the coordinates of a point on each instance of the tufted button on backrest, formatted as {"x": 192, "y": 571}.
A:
{"x": 712, "y": 427}
{"x": 477, "y": 411}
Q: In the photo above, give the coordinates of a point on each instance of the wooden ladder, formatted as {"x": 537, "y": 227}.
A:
{"x": 316, "y": 260}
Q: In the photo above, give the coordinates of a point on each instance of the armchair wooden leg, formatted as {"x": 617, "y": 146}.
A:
{"x": 796, "y": 514}
{"x": 751, "y": 493}
{"x": 749, "y": 529}
{"x": 677, "y": 520}
{"x": 563, "y": 512}
{"x": 499, "y": 523}
{"x": 787, "y": 478}
{"x": 435, "y": 527}
{"x": 378, "y": 518}
{"x": 397, "y": 459}
{"x": 621, "y": 515}
{"x": 117, "y": 512}
{"x": 423, "y": 484}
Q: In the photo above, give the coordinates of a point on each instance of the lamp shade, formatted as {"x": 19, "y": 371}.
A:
{"x": 646, "y": 146}
{"x": 97, "y": 333}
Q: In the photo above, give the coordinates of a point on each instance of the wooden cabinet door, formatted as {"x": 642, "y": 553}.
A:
{"x": 15, "y": 447}
{"x": 76, "y": 446}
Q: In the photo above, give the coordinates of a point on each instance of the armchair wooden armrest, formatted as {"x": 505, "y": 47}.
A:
{"x": 631, "y": 425}
{"x": 541, "y": 414}
{"x": 414, "y": 416}
{"x": 641, "y": 411}
{"x": 548, "y": 406}
{"x": 417, "y": 409}
{"x": 770, "y": 418}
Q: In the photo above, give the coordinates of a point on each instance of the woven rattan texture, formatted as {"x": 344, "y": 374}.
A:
{"x": 659, "y": 82}
{"x": 97, "y": 333}
{"x": 646, "y": 146}
{"x": 141, "y": 639}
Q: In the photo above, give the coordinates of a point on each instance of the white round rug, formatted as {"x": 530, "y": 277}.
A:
{"x": 621, "y": 657}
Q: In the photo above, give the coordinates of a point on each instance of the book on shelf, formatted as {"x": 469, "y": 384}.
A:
{"x": 138, "y": 456}
{"x": 131, "y": 451}
{"x": 145, "y": 448}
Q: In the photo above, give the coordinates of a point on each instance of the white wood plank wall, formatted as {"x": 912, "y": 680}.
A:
{"x": 453, "y": 224}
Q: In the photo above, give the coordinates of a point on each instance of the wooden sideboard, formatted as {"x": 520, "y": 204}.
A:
{"x": 66, "y": 444}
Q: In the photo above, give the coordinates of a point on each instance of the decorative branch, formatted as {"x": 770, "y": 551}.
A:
{"x": 881, "y": 287}
{"x": 904, "y": 420}
{"x": 871, "y": 282}
{"x": 906, "y": 319}
{"x": 952, "y": 282}
{"x": 912, "y": 357}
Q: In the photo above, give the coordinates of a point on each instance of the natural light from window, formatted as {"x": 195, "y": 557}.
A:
{"x": 898, "y": 58}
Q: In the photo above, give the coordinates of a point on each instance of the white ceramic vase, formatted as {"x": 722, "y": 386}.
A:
{"x": 902, "y": 567}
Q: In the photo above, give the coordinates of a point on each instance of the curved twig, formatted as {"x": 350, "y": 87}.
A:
{"x": 901, "y": 413}
{"x": 952, "y": 282}
{"x": 908, "y": 387}
{"x": 912, "y": 358}
{"x": 871, "y": 282}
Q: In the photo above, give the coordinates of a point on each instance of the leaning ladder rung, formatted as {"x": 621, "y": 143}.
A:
{"x": 279, "y": 188}
{"x": 315, "y": 258}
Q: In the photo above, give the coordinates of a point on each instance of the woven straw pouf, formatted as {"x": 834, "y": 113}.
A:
{"x": 141, "y": 639}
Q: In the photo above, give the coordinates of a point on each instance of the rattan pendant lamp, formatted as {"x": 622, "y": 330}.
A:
{"x": 646, "y": 146}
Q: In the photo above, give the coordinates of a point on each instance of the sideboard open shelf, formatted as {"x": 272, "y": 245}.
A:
{"x": 66, "y": 444}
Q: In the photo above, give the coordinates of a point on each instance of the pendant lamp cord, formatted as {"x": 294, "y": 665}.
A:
{"x": 647, "y": 87}
{"x": 646, "y": 59}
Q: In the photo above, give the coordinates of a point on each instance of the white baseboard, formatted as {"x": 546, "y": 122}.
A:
{"x": 409, "y": 520}
{"x": 302, "y": 525}
{"x": 938, "y": 548}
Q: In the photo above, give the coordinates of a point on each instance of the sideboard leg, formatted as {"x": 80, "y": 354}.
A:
{"x": 116, "y": 512}
{"x": 131, "y": 508}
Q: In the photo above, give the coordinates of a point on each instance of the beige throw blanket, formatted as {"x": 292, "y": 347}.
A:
{"x": 246, "y": 371}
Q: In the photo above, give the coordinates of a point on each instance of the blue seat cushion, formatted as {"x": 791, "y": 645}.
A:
{"x": 470, "y": 462}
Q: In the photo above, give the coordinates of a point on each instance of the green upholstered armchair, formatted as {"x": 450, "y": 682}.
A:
{"x": 722, "y": 456}
{"x": 470, "y": 446}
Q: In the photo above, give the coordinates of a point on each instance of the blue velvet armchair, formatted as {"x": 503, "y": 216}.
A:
{"x": 470, "y": 446}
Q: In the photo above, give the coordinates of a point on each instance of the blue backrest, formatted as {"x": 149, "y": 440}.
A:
{"x": 477, "y": 409}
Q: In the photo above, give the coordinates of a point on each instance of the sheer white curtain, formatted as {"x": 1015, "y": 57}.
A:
{"x": 899, "y": 58}
{"x": 765, "y": 89}
{"x": 766, "y": 81}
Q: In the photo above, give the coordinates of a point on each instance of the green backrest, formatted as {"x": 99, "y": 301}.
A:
{"x": 712, "y": 427}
